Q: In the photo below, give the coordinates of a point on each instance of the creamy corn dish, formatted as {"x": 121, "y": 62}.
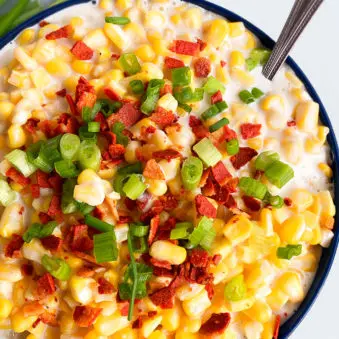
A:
{"x": 153, "y": 183}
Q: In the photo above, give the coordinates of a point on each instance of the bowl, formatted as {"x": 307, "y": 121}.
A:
{"x": 328, "y": 254}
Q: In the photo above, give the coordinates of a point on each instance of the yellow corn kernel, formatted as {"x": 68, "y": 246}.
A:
{"x": 268, "y": 331}
{"x": 27, "y": 36}
{"x": 116, "y": 34}
{"x": 238, "y": 229}
{"x": 277, "y": 299}
{"x": 5, "y": 307}
{"x": 20, "y": 323}
{"x": 40, "y": 78}
{"x": 192, "y": 17}
{"x": 6, "y": 109}
{"x": 130, "y": 154}
{"x": 31, "y": 336}
{"x": 16, "y": 136}
{"x": 76, "y": 22}
{"x": 159, "y": 46}
{"x": 266, "y": 221}
{"x": 19, "y": 79}
{"x": 24, "y": 59}
{"x": 71, "y": 82}
{"x": 154, "y": 19}
{"x": 242, "y": 305}
{"x": 299, "y": 93}
{"x": 168, "y": 102}
{"x": 260, "y": 312}
{"x": 165, "y": 250}
{"x": 81, "y": 66}
{"x": 58, "y": 68}
{"x": 176, "y": 18}
{"x": 251, "y": 41}
{"x": 74, "y": 262}
{"x": 110, "y": 325}
{"x": 327, "y": 170}
{"x": 255, "y": 143}
{"x": 156, "y": 187}
{"x": 186, "y": 335}
{"x": 322, "y": 133}
{"x": 307, "y": 116}
{"x": 43, "y": 31}
{"x": 292, "y": 229}
{"x": 188, "y": 291}
{"x": 237, "y": 59}
{"x": 222, "y": 74}
{"x": 67, "y": 324}
{"x": 105, "y": 4}
{"x": 273, "y": 102}
{"x": 243, "y": 77}
{"x": 236, "y": 29}
{"x": 292, "y": 149}
{"x": 171, "y": 319}
{"x": 175, "y": 185}
{"x": 126, "y": 333}
{"x": 98, "y": 84}
{"x": 123, "y": 4}
{"x": 326, "y": 203}
{"x": 44, "y": 51}
{"x": 290, "y": 284}
{"x": 135, "y": 30}
{"x": 157, "y": 335}
{"x": 94, "y": 335}
{"x": 150, "y": 325}
{"x": 152, "y": 71}
{"x": 196, "y": 306}
{"x": 145, "y": 53}
{"x": 2, "y": 141}
{"x": 217, "y": 31}
{"x": 82, "y": 289}
{"x": 96, "y": 39}
{"x": 294, "y": 80}
{"x": 302, "y": 199}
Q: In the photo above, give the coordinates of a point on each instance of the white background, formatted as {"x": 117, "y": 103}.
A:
{"x": 317, "y": 52}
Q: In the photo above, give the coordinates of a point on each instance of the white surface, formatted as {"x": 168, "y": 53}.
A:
{"x": 317, "y": 54}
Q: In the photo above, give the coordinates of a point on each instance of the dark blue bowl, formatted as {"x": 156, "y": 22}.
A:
{"x": 328, "y": 253}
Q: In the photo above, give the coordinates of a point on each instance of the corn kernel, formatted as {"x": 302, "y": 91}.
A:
{"x": 6, "y": 109}
{"x": 236, "y": 29}
{"x": 105, "y": 4}
{"x": 242, "y": 305}
{"x": 260, "y": 312}
{"x": 327, "y": 170}
{"x": 222, "y": 74}
{"x": 96, "y": 39}
{"x": 295, "y": 81}
{"x": 290, "y": 284}
{"x": 157, "y": 335}
{"x": 5, "y": 307}
{"x": 277, "y": 299}
{"x": 24, "y": 59}
{"x": 302, "y": 199}
{"x": 58, "y": 68}
{"x": 192, "y": 17}
{"x": 154, "y": 19}
{"x": 81, "y": 66}
{"x": 196, "y": 306}
{"x": 40, "y": 78}
{"x": 27, "y": 36}
{"x": 237, "y": 59}
{"x": 43, "y": 31}
{"x": 243, "y": 77}
{"x": 165, "y": 250}
{"x": 20, "y": 323}
{"x": 117, "y": 36}
{"x": 82, "y": 289}
{"x": 150, "y": 325}
{"x": 110, "y": 325}
{"x": 307, "y": 116}
{"x": 171, "y": 319}
{"x": 156, "y": 187}
{"x": 123, "y": 4}
{"x": 217, "y": 31}
{"x": 238, "y": 229}
{"x": 175, "y": 18}
{"x": 16, "y": 136}
{"x": 71, "y": 82}
{"x": 292, "y": 229}
{"x": 327, "y": 204}
{"x": 145, "y": 53}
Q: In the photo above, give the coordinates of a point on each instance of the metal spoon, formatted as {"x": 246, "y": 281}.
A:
{"x": 301, "y": 14}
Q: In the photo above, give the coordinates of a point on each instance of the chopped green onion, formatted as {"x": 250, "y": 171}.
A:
{"x": 140, "y": 244}
{"x": 84, "y": 208}
{"x": 69, "y": 146}
{"x": 117, "y": 129}
{"x": 214, "y": 110}
{"x": 94, "y": 126}
{"x": 151, "y": 96}
{"x": 7, "y": 195}
{"x": 236, "y": 289}
{"x": 289, "y": 251}
{"x": 185, "y": 95}
{"x": 276, "y": 201}
{"x": 208, "y": 239}
{"x": 257, "y": 56}
{"x": 246, "y": 97}
{"x": 68, "y": 204}
{"x": 185, "y": 107}
{"x": 135, "y": 276}
{"x": 257, "y": 93}
{"x": 253, "y": 188}
{"x": 191, "y": 172}
{"x": 89, "y": 155}
{"x": 181, "y": 76}
{"x": 108, "y": 107}
{"x": 98, "y": 224}
{"x": 19, "y": 160}
{"x": 207, "y": 152}
{"x": 35, "y": 156}
{"x": 279, "y": 173}
{"x": 212, "y": 85}
{"x": 130, "y": 169}
{"x": 139, "y": 230}
{"x": 181, "y": 230}
{"x": 87, "y": 114}
{"x": 117, "y": 20}
{"x": 57, "y": 267}
{"x": 119, "y": 182}
{"x": 129, "y": 63}
{"x": 105, "y": 247}
{"x": 84, "y": 134}
{"x": 232, "y": 147}
{"x": 221, "y": 105}
{"x": 39, "y": 231}
{"x": 265, "y": 159}
{"x": 204, "y": 226}
{"x": 219, "y": 124}
{"x": 66, "y": 169}
{"x": 137, "y": 86}
{"x": 134, "y": 186}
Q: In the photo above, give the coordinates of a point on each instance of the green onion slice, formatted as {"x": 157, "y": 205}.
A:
{"x": 137, "y": 86}
{"x": 191, "y": 172}
{"x": 117, "y": 20}
{"x": 98, "y": 224}
{"x": 105, "y": 247}
{"x": 279, "y": 173}
{"x": 57, "y": 267}
{"x": 212, "y": 85}
{"x": 89, "y": 155}
{"x": 232, "y": 147}
{"x": 39, "y": 231}
{"x": 66, "y": 169}
{"x": 129, "y": 63}
{"x": 19, "y": 160}
{"x": 253, "y": 188}
{"x": 207, "y": 152}
{"x": 181, "y": 76}
{"x": 265, "y": 159}
{"x": 134, "y": 186}
{"x": 69, "y": 146}
{"x": 219, "y": 124}
{"x": 7, "y": 195}
{"x": 289, "y": 251}
{"x": 94, "y": 126}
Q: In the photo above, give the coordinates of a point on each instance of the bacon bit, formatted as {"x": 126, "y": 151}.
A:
{"x": 202, "y": 67}
{"x": 209, "y": 188}
{"x": 45, "y": 285}
{"x": 32, "y": 309}
{"x": 167, "y": 154}
{"x": 291, "y": 123}
{"x": 154, "y": 226}
{"x": 111, "y": 94}
{"x": 245, "y": 155}
{"x": 230, "y": 203}
{"x": 86, "y": 99}
{"x": 83, "y": 86}
{"x": 223, "y": 63}
{"x": 79, "y": 239}
{"x": 252, "y": 203}
{"x": 173, "y": 63}
{"x": 130, "y": 204}
{"x": 71, "y": 104}
{"x": 123, "y": 306}
{"x": 12, "y": 249}
{"x": 221, "y": 174}
{"x": 125, "y": 219}
{"x": 232, "y": 185}
{"x": 62, "y": 93}
{"x": 44, "y": 217}
{"x": 85, "y": 316}
{"x": 204, "y": 207}
{"x": 221, "y": 194}
{"x": 216, "y": 97}
{"x": 199, "y": 258}
{"x": 63, "y": 32}
{"x": 164, "y": 298}
{"x": 169, "y": 201}
{"x": 162, "y": 272}
{"x": 161, "y": 263}
{"x": 52, "y": 243}
{"x": 116, "y": 150}
{"x": 87, "y": 257}
{"x": 204, "y": 177}
{"x": 31, "y": 125}
{"x": 216, "y": 324}
{"x": 185, "y": 47}
{"x": 42, "y": 179}
{"x": 17, "y": 177}
{"x": 276, "y": 327}
{"x": 202, "y": 44}
{"x": 67, "y": 124}
{"x": 210, "y": 291}
{"x": 288, "y": 202}
{"x": 49, "y": 319}
{"x": 26, "y": 269}
{"x": 258, "y": 174}
{"x": 102, "y": 120}
{"x": 152, "y": 314}
{"x": 249, "y": 131}
{"x": 150, "y": 129}
{"x": 216, "y": 259}
{"x": 35, "y": 191}
{"x": 115, "y": 56}
{"x": 163, "y": 117}
{"x": 43, "y": 23}
{"x": 153, "y": 170}
{"x": 85, "y": 272}
{"x": 105, "y": 287}
{"x": 137, "y": 323}
{"x": 128, "y": 114}
{"x": 167, "y": 88}
{"x": 55, "y": 182}
{"x": 81, "y": 51}
{"x": 228, "y": 135}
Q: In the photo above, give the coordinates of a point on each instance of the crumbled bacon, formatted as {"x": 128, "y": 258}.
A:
{"x": 164, "y": 298}
{"x": 216, "y": 324}
{"x": 221, "y": 174}
{"x": 43, "y": 23}
{"x": 153, "y": 170}
{"x": 85, "y": 316}
{"x": 173, "y": 63}
{"x": 63, "y": 32}
{"x": 276, "y": 327}
{"x": 205, "y": 207}
{"x": 231, "y": 203}
{"x": 81, "y": 51}
{"x": 61, "y": 93}
{"x": 216, "y": 97}
{"x": 163, "y": 117}
{"x": 291, "y": 123}
{"x": 55, "y": 181}
{"x": 83, "y": 86}
{"x": 26, "y": 269}
{"x": 12, "y": 249}
{"x": 116, "y": 150}
{"x": 169, "y": 201}
{"x": 210, "y": 291}
{"x": 137, "y": 323}
{"x": 49, "y": 319}
{"x": 161, "y": 263}
{"x": 245, "y": 155}
{"x": 199, "y": 258}
{"x": 86, "y": 99}
{"x": 31, "y": 125}
{"x": 102, "y": 120}
{"x": 167, "y": 88}
{"x": 105, "y": 287}
{"x": 71, "y": 104}
{"x": 35, "y": 191}
{"x": 45, "y": 286}
{"x": 249, "y": 130}
{"x": 123, "y": 306}
{"x": 17, "y": 177}
{"x": 185, "y": 47}
{"x": 167, "y": 154}
{"x": 85, "y": 272}
{"x": 199, "y": 130}
{"x": 44, "y": 217}
{"x": 223, "y": 63}
{"x": 232, "y": 185}
{"x": 78, "y": 238}
{"x": 228, "y": 134}
{"x": 202, "y": 67}
{"x": 32, "y": 308}
{"x": 52, "y": 243}
{"x": 67, "y": 124}
{"x": 42, "y": 179}
{"x": 221, "y": 194}
{"x": 288, "y": 202}
{"x": 202, "y": 44}
{"x": 154, "y": 226}
{"x": 128, "y": 114}
{"x": 209, "y": 189}
{"x": 252, "y": 203}
{"x": 216, "y": 259}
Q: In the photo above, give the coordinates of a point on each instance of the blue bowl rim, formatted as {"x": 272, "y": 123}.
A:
{"x": 328, "y": 254}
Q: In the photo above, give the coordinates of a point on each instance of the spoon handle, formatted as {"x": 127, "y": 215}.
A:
{"x": 301, "y": 14}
